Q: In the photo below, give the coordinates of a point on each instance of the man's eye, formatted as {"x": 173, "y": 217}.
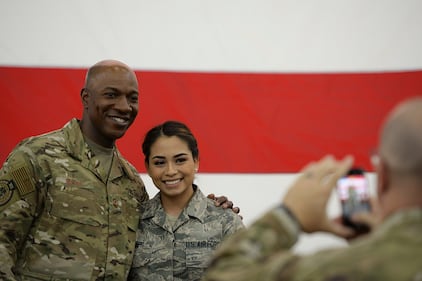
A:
{"x": 134, "y": 98}
{"x": 110, "y": 94}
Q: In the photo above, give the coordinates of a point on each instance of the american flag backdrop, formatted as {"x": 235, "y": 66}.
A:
{"x": 266, "y": 86}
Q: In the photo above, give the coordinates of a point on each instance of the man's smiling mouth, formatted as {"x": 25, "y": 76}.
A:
{"x": 120, "y": 120}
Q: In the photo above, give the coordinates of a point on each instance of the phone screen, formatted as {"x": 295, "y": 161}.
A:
{"x": 353, "y": 191}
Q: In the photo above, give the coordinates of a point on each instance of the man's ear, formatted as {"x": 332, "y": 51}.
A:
{"x": 84, "y": 97}
{"x": 383, "y": 177}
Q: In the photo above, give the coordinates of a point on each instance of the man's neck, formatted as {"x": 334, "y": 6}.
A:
{"x": 401, "y": 197}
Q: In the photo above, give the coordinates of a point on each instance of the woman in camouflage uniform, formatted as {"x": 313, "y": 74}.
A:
{"x": 179, "y": 228}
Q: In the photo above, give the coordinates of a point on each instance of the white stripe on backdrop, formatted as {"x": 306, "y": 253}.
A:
{"x": 219, "y": 35}
{"x": 256, "y": 193}
{"x": 236, "y": 35}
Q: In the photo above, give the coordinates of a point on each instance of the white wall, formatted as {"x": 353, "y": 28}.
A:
{"x": 219, "y": 35}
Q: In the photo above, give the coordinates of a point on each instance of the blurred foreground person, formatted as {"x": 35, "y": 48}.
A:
{"x": 392, "y": 251}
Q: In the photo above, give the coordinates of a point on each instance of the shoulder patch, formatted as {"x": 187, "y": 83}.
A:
{"x": 6, "y": 191}
{"x": 23, "y": 180}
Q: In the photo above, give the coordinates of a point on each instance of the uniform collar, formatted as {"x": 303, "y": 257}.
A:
{"x": 78, "y": 148}
{"x": 196, "y": 207}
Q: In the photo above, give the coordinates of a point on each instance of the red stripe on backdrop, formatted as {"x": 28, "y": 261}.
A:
{"x": 244, "y": 122}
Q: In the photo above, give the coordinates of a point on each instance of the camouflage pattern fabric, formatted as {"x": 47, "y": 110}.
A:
{"x": 392, "y": 252}
{"x": 61, "y": 216}
{"x": 180, "y": 251}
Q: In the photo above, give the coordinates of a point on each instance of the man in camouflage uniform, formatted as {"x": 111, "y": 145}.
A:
{"x": 69, "y": 202}
{"x": 391, "y": 252}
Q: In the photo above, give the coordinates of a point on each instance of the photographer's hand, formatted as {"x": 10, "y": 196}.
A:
{"x": 307, "y": 198}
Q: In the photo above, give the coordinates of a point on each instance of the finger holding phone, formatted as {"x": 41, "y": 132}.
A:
{"x": 308, "y": 197}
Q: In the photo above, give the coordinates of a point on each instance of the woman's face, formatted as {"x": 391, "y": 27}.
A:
{"x": 172, "y": 167}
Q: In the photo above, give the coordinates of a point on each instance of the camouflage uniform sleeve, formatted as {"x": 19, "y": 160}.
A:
{"x": 18, "y": 206}
{"x": 233, "y": 223}
{"x": 254, "y": 253}
{"x": 143, "y": 194}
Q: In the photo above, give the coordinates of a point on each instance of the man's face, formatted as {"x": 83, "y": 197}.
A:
{"x": 111, "y": 104}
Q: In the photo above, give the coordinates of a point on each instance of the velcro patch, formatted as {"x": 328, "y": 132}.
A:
{"x": 23, "y": 180}
{"x": 6, "y": 191}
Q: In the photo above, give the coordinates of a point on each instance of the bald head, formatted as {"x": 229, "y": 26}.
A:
{"x": 110, "y": 99}
{"x": 105, "y": 65}
{"x": 401, "y": 139}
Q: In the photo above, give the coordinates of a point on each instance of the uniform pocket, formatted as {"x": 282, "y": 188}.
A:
{"x": 197, "y": 261}
{"x": 150, "y": 255}
{"x": 78, "y": 209}
{"x": 67, "y": 237}
{"x": 198, "y": 257}
{"x": 151, "y": 262}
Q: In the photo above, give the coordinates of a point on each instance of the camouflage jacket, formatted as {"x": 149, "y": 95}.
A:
{"x": 60, "y": 217}
{"x": 181, "y": 251}
{"x": 392, "y": 252}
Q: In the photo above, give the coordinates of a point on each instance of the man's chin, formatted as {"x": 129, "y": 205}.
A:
{"x": 118, "y": 134}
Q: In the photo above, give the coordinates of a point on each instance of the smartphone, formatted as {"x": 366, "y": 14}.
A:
{"x": 353, "y": 191}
